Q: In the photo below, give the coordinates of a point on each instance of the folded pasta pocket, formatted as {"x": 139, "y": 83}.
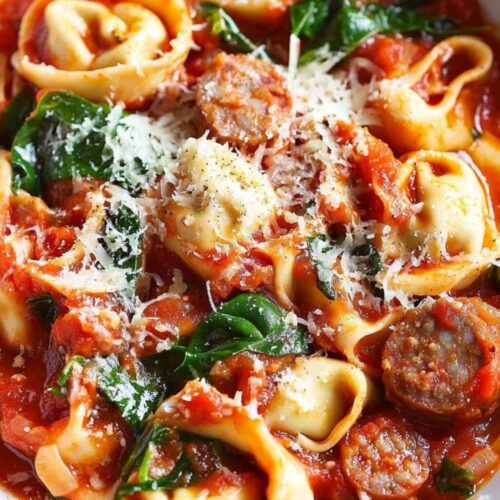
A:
{"x": 319, "y": 399}
{"x": 120, "y": 52}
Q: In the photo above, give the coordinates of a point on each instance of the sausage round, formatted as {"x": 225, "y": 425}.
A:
{"x": 442, "y": 360}
{"x": 244, "y": 100}
{"x": 384, "y": 458}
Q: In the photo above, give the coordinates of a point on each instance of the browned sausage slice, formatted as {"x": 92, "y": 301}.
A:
{"x": 384, "y": 458}
{"x": 244, "y": 100}
{"x": 442, "y": 360}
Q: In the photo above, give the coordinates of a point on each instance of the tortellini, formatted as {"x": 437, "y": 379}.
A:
{"x": 87, "y": 266}
{"x": 73, "y": 444}
{"x": 242, "y": 429}
{"x": 319, "y": 399}
{"x": 409, "y": 123}
{"x": 15, "y": 328}
{"x": 220, "y": 202}
{"x": 452, "y": 232}
{"x": 118, "y": 52}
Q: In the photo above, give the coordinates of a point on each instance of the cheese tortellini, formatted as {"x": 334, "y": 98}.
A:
{"x": 120, "y": 52}
{"x": 452, "y": 229}
{"x": 319, "y": 399}
{"x": 220, "y": 202}
{"x": 75, "y": 444}
{"x": 410, "y": 123}
{"x": 239, "y": 427}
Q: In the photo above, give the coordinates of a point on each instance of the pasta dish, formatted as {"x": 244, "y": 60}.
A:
{"x": 249, "y": 249}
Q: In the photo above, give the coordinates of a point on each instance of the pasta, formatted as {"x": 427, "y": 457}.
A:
{"x": 246, "y": 432}
{"x": 131, "y": 69}
{"x": 440, "y": 181}
{"x": 312, "y": 400}
{"x": 416, "y": 124}
{"x": 248, "y": 249}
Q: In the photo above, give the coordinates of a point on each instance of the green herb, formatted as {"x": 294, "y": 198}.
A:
{"x": 122, "y": 239}
{"x": 350, "y": 26}
{"x": 248, "y": 322}
{"x": 452, "y": 478}
{"x": 63, "y": 379}
{"x": 320, "y": 251}
{"x": 154, "y": 435}
{"x": 68, "y": 136}
{"x": 135, "y": 395}
{"x": 308, "y": 17}
{"x": 14, "y": 115}
{"x": 45, "y": 306}
{"x": 369, "y": 260}
{"x": 182, "y": 474}
{"x": 224, "y": 27}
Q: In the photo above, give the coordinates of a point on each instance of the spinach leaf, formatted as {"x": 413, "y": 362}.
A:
{"x": 181, "y": 475}
{"x": 68, "y": 136}
{"x": 366, "y": 259}
{"x": 452, "y": 478}
{"x": 63, "y": 379}
{"x": 308, "y": 17}
{"x": 135, "y": 395}
{"x": 154, "y": 435}
{"x": 320, "y": 251}
{"x": 369, "y": 260}
{"x": 248, "y": 322}
{"x": 350, "y": 26}
{"x": 122, "y": 239}
{"x": 45, "y": 306}
{"x": 14, "y": 115}
{"x": 224, "y": 27}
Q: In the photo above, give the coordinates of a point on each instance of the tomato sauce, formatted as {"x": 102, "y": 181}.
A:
{"x": 26, "y": 376}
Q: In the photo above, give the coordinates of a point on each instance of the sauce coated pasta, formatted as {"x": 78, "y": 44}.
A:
{"x": 249, "y": 249}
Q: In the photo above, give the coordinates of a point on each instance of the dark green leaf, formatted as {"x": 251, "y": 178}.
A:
{"x": 351, "y": 26}
{"x": 319, "y": 249}
{"x": 45, "y": 306}
{"x": 155, "y": 434}
{"x": 308, "y": 17}
{"x": 69, "y": 136}
{"x": 452, "y": 478}
{"x": 14, "y": 115}
{"x": 248, "y": 322}
{"x": 182, "y": 474}
{"x": 224, "y": 27}
{"x": 135, "y": 395}
{"x": 122, "y": 239}
{"x": 62, "y": 380}
{"x": 369, "y": 260}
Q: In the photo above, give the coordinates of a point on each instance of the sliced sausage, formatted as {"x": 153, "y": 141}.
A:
{"x": 385, "y": 458}
{"x": 244, "y": 100}
{"x": 442, "y": 360}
